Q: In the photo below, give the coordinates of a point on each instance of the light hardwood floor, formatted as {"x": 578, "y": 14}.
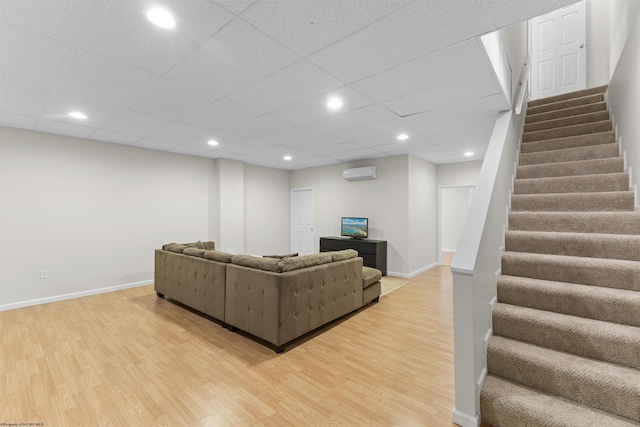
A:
{"x": 128, "y": 358}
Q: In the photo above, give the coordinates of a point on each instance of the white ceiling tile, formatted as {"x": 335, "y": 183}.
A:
{"x": 503, "y": 13}
{"x": 94, "y": 77}
{"x": 114, "y": 137}
{"x": 192, "y": 150}
{"x": 292, "y": 84}
{"x": 17, "y": 121}
{"x": 61, "y": 128}
{"x": 235, "y": 6}
{"x": 319, "y": 141}
{"x": 235, "y": 57}
{"x": 246, "y": 147}
{"x": 331, "y": 150}
{"x": 354, "y": 119}
{"x": 258, "y": 127}
{"x": 455, "y": 63}
{"x": 19, "y": 99}
{"x": 314, "y": 109}
{"x": 171, "y": 100}
{"x": 182, "y": 133}
{"x": 59, "y": 106}
{"x": 120, "y": 30}
{"x": 416, "y": 30}
{"x": 306, "y": 26}
{"x": 29, "y": 58}
{"x": 360, "y": 154}
{"x": 291, "y": 135}
{"x": 155, "y": 144}
{"x": 133, "y": 123}
{"x": 60, "y": 20}
{"x": 408, "y": 146}
{"x": 472, "y": 108}
{"x": 222, "y": 114}
{"x": 470, "y": 88}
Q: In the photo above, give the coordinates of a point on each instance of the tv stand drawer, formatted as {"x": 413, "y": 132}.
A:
{"x": 373, "y": 252}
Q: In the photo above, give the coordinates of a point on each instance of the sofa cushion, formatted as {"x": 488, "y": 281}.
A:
{"x": 194, "y": 252}
{"x": 261, "y": 263}
{"x": 281, "y": 256}
{"x": 210, "y": 246}
{"x": 343, "y": 254}
{"x": 296, "y": 263}
{"x": 370, "y": 276}
{"x": 174, "y": 247}
{"x": 218, "y": 256}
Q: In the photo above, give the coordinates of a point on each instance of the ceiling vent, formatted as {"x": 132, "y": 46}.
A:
{"x": 359, "y": 174}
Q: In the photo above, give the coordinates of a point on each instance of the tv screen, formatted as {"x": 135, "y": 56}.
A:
{"x": 357, "y": 228}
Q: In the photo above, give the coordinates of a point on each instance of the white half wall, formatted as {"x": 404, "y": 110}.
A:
{"x": 91, "y": 213}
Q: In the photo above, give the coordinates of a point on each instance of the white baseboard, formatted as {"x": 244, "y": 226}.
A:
{"x": 414, "y": 273}
{"x": 73, "y": 295}
{"x": 464, "y": 420}
{"x": 448, "y": 250}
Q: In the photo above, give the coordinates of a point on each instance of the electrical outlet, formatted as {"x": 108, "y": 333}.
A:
{"x": 44, "y": 274}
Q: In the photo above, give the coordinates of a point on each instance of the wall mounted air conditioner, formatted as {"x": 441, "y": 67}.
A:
{"x": 358, "y": 174}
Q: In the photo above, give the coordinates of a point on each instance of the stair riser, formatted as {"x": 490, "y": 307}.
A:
{"x": 558, "y": 114}
{"x": 573, "y": 184}
{"x": 569, "y": 142}
{"x": 573, "y": 202}
{"x": 570, "y": 155}
{"x": 603, "y": 126}
{"x": 583, "y": 167}
{"x": 609, "y": 246}
{"x": 567, "y": 121}
{"x": 620, "y": 275}
{"x": 566, "y": 384}
{"x": 599, "y": 90}
{"x": 589, "y": 302}
{"x": 570, "y": 103}
{"x": 609, "y": 223}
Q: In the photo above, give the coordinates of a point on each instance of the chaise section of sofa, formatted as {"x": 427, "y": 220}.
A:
{"x": 193, "y": 276}
{"x": 280, "y": 300}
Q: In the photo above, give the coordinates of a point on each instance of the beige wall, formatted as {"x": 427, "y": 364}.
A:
{"x": 464, "y": 173}
{"x": 597, "y": 42}
{"x": 623, "y": 18}
{"x": 515, "y": 40}
{"x": 230, "y": 230}
{"x": 422, "y": 211}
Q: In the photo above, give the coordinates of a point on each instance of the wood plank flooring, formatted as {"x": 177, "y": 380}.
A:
{"x": 130, "y": 358}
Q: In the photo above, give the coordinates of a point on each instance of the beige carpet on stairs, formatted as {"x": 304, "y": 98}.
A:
{"x": 565, "y": 349}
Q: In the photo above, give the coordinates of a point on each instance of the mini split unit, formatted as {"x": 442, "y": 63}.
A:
{"x": 358, "y": 174}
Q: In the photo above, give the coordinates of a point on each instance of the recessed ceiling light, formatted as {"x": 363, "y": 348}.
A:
{"x": 161, "y": 18}
{"x": 403, "y": 137}
{"x": 287, "y": 158}
{"x": 77, "y": 115}
{"x": 334, "y": 103}
{"x": 212, "y": 142}
{"x": 468, "y": 154}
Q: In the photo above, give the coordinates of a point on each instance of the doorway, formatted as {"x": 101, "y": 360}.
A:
{"x": 454, "y": 207}
{"x": 302, "y": 236}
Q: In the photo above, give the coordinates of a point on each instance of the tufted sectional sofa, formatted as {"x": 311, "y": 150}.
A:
{"x": 276, "y": 299}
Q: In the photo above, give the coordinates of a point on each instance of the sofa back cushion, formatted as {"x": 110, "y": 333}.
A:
{"x": 343, "y": 254}
{"x": 218, "y": 256}
{"x": 304, "y": 261}
{"x": 194, "y": 252}
{"x": 281, "y": 256}
{"x": 180, "y": 247}
{"x": 261, "y": 263}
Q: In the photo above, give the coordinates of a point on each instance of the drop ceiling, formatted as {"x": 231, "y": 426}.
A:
{"x": 256, "y": 76}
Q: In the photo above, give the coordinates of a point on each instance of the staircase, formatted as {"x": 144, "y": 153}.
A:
{"x": 565, "y": 349}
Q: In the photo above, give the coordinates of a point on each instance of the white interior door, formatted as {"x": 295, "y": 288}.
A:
{"x": 302, "y": 237}
{"x": 558, "y": 54}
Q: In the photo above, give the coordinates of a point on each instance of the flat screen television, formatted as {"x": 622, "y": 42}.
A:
{"x": 354, "y": 227}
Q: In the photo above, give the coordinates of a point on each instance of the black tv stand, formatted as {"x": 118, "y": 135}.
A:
{"x": 373, "y": 252}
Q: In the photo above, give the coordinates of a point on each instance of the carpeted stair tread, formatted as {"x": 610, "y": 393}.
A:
{"x": 592, "y": 302}
{"x": 568, "y": 103}
{"x": 577, "y": 222}
{"x": 566, "y": 112}
{"x": 573, "y": 184}
{"x": 589, "y": 338}
{"x": 599, "y": 138}
{"x": 612, "y": 273}
{"x": 590, "y": 245}
{"x": 617, "y": 388}
{"x": 570, "y": 154}
{"x": 580, "y": 129}
{"x": 506, "y": 404}
{"x": 598, "y": 90}
{"x": 559, "y": 122}
{"x": 576, "y": 168}
{"x": 570, "y": 202}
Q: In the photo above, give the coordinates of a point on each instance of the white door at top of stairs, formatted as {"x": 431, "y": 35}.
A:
{"x": 558, "y": 52}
